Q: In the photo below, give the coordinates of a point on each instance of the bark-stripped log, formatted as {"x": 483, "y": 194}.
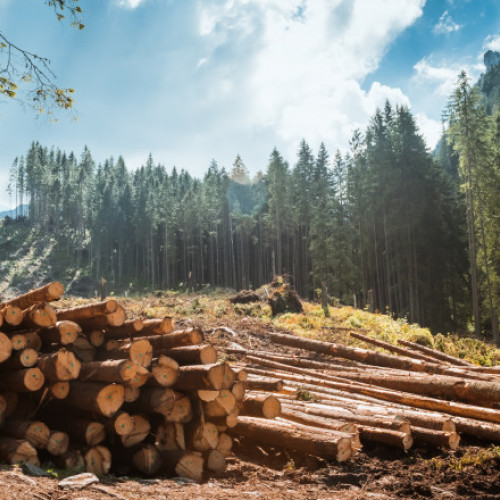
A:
{"x": 46, "y": 293}
{"x": 433, "y": 353}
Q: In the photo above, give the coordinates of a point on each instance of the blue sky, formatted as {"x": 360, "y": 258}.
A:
{"x": 192, "y": 80}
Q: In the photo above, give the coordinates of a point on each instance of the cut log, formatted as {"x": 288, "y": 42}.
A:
{"x": 241, "y": 374}
{"x": 162, "y": 343}
{"x": 96, "y": 338}
{"x": 228, "y": 377}
{"x": 397, "y": 439}
{"x": 264, "y": 384}
{"x": 203, "y": 354}
{"x": 83, "y": 349}
{"x": 140, "y": 352}
{"x": 18, "y": 341}
{"x": 225, "y": 444}
{"x": 128, "y": 330}
{"x": 190, "y": 465}
{"x": 113, "y": 370}
{"x": 170, "y": 436}
{"x": 87, "y": 311}
{"x": 164, "y": 371}
{"x": 195, "y": 377}
{"x": 260, "y": 405}
{"x": 38, "y": 316}
{"x": 131, "y": 393}
{"x": 98, "y": 460}
{"x": 46, "y": 293}
{"x": 139, "y": 433}
{"x": 433, "y": 353}
{"x": 59, "y": 366}
{"x": 104, "y": 399}
{"x": 72, "y": 459}
{"x": 147, "y": 460}
{"x": 32, "y": 341}
{"x": 14, "y": 451}
{"x": 58, "y": 443}
{"x": 238, "y": 391}
{"x": 122, "y": 424}
{"x": 390, "y": 347}
{"x": 12, "y": 316}
{"x": 226, "y": 421}
{"x": 5, "y": 347}
{"x": 202, "y": 436}
{"x": 157, "y": 326}
{"x": 478, "y": 429}
{"x": 224, "y": 404}
{"x": 59, "y": 390}
{"x": 114, "y": 319}
{"x": 140, "y": 378}
{"x": 20, "y": 359}
{"x": 215, "y": 461}
{"x": 181, "y": 411}
{"x": 34, "y": 432}
{"x": 272, "y": 433}
{"x": 155, "y": 400}
{"x": 27, "y": 380}
{"x": 438, "y": 439}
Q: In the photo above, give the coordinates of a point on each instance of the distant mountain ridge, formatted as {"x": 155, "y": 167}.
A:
{"x": 24, "y": 209}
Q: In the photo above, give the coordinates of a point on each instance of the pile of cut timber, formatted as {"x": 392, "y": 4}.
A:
{"x": 87, "y": 387}
{"x": 419, "y": 396}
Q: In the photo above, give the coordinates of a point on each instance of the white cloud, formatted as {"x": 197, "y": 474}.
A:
{"x": 443, "y": 78}
{"x": 130, "y": 4}
{"x": 446, "y": 24}
{"x": 303, "y": 73}
{"x": 492, "y": 43}
{"x": 429, "y": 128}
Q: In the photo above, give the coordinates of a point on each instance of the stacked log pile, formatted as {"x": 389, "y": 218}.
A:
{"x": 87, "y": 387}
{"x": 419, "y": 396}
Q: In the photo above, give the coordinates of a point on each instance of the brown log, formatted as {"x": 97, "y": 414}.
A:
{"x": 59, "y": 366}
{"x": 58, "y": 443}
{"x": 264, "y": 384}
{"x": 72, "y": 459}
{"x": 404, "y": 398}
{"x": 5, "y": 347}
{"x": 140, "y": 378}
{"x": 27, "y": 380}
{"x": 397, "y": 439}
{"x": 433, "y": 353}
{"x": 441, "y": 439}
{"x": 227, "y": 421}
{"x": 114, "y": 319}
{"x": 478, "y": 429}
{"x": 155, "y": 400}
{"x": 215, "y": 461}
{"x": 181, "y": 411}
{"x": 272, "y": 433}
{"x": 20, "y": 359}
{"x": 131, "y": 394}
{"x": 241, "y": 373}
{"x": 18, "y": 341}
{"x": 46, "y": 293}
{"x": 98, "y": 460}
{"x": 147, "y": 460}
{"x": 390, "y": 347}
{"x": 8, "y": 403}
{"x": 228, "y": 377}
{"x": 59, "y": 390}
{"x": 224, "y": 404}
{"x": 83, "y": 349}
{"x": 32, "y": 341}
{"x": 139, "y": 433}
{"x": 260, "y": 405}
{"x": 86, "y": 311}
{"x": 203, "y": 354}
{"x": 202, "y": 436}
{"x": 121, "y": 423}
{"x": 164, "y": 371}
{"x": 104, "y": 399}
{"x": 162, "y": 343}
{"x": 130, "y": 329}
{"x": 195, "y": 377}
{"x": 38, "y": 316}
{"x": 225, "y": 444}
{"x": 238, "y": 391}
{"x": 96, "y": 338}
{"x": 140, "y": 352}
{"x": 190, "y": 465}
{"x": 365, "y": 356}
{"x": 11, "y": 316}
{"x": 157, "y": 326}
{"x": 170, "y": 436}
{"x": 14, "y": 451}
{"x": 34, "y": 432}
{"x": 113, "y": 370}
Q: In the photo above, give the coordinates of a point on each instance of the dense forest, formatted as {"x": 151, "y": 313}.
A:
{"x": 388, "y": 223}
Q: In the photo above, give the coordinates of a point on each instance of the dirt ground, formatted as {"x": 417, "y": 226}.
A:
{"x": 377, "y": 472}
